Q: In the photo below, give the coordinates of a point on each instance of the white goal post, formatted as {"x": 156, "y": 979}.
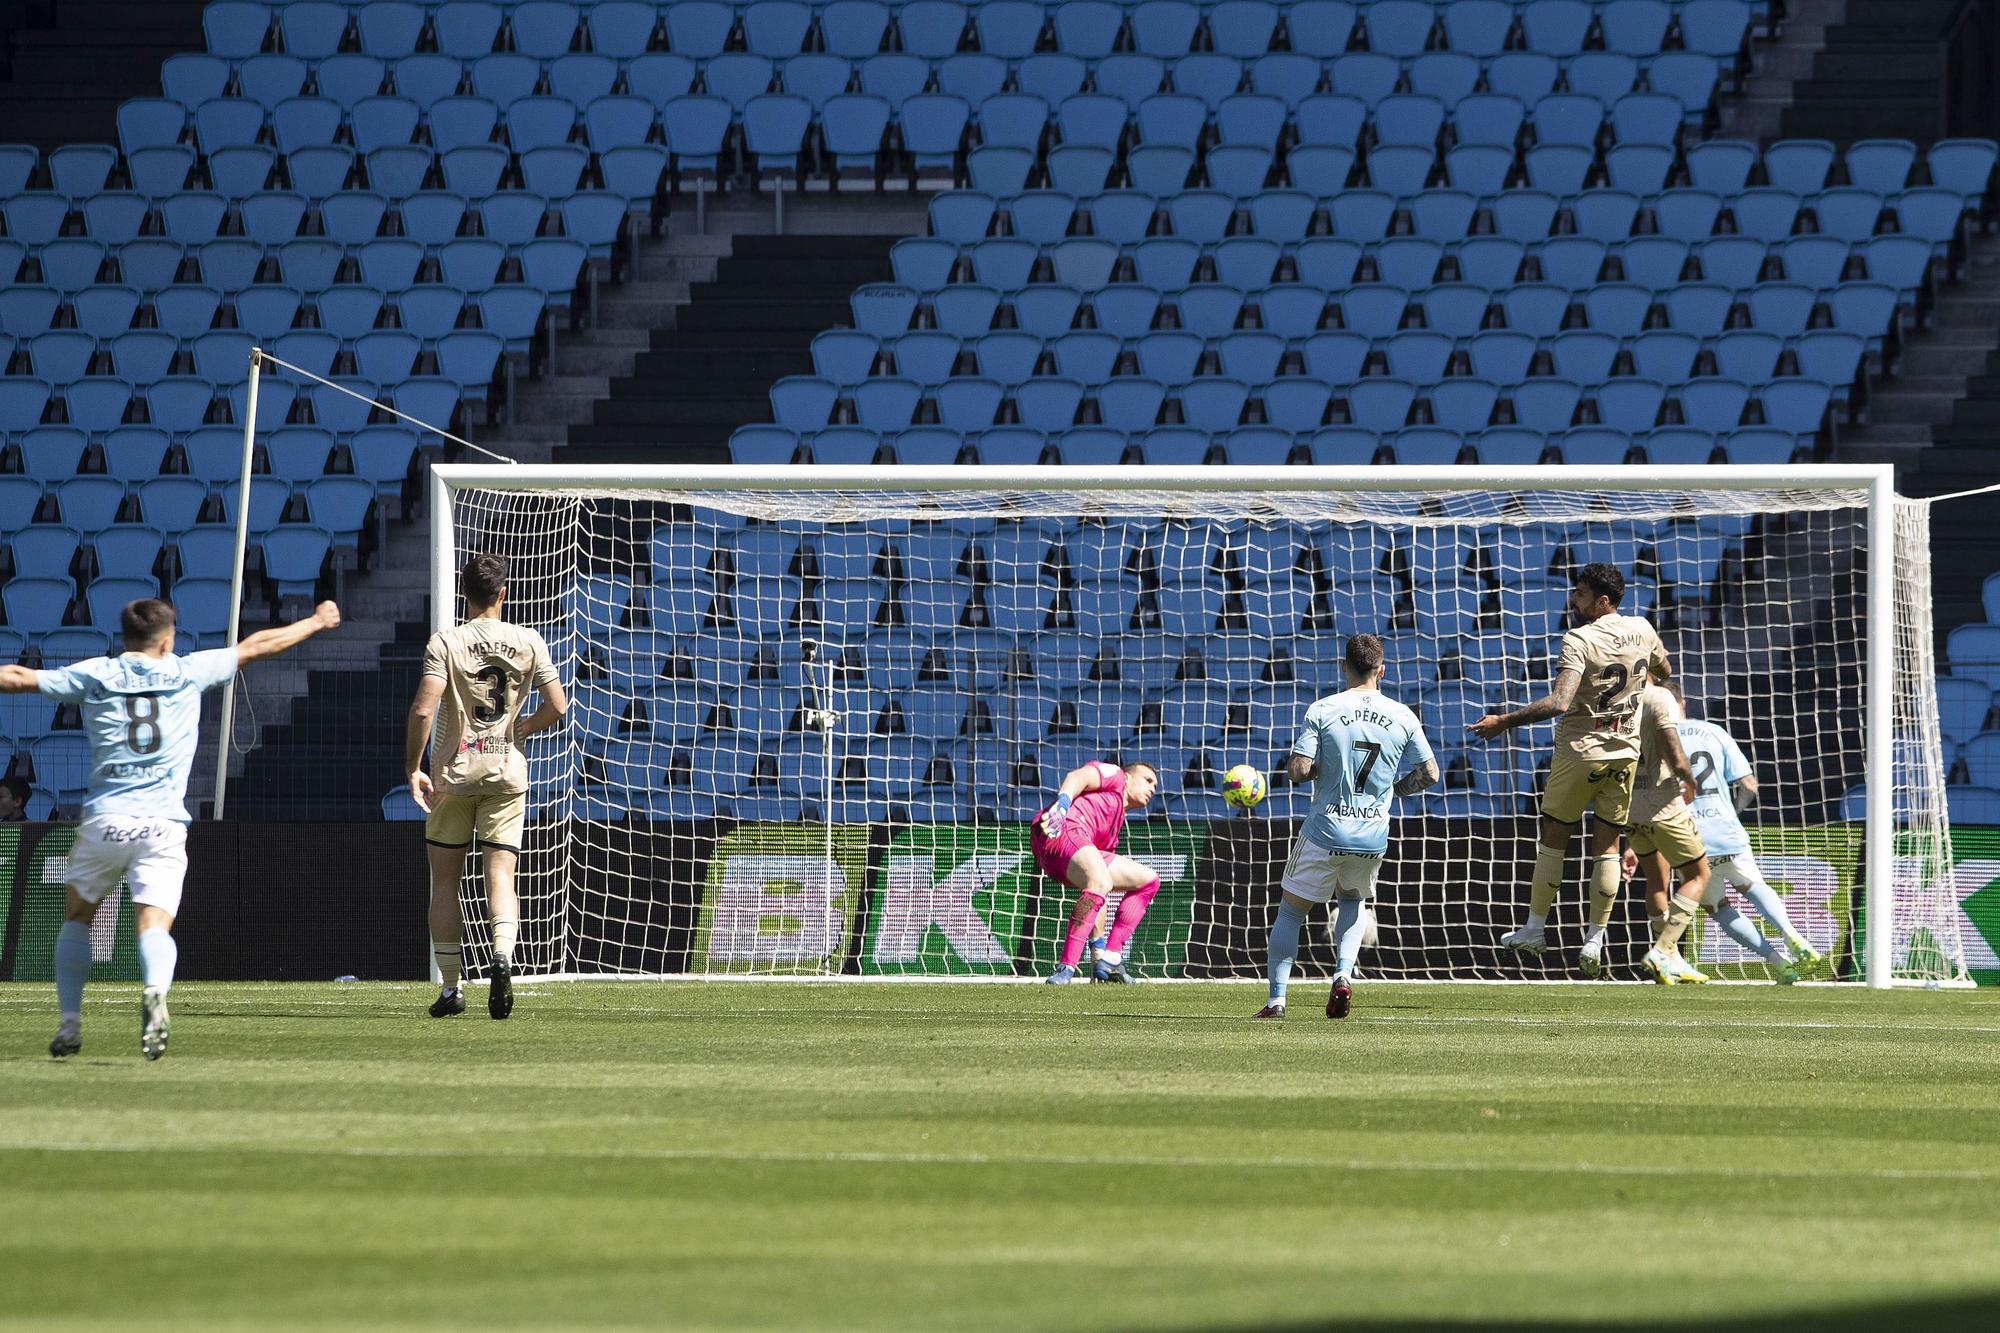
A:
{"x": 935, "y": 638}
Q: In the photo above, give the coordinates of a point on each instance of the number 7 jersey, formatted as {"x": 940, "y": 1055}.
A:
{"x": 1611, "y": 655}
{"x": 487, "y": 666}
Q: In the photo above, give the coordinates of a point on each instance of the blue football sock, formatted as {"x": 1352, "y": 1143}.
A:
{"x": 1744, "y": 931}
{"x": 1284, "y": 947}
{"x": 72, "y": 966}
{"x": 1350, "y": 923}
{"x": 157, "y": 954}
{"x": 1772, "y": 908}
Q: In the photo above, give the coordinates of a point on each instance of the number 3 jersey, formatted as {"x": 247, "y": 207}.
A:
{"x": 1611, "y": 655}
{"x": 143, "y": 717}
{"x": 487, "y": 666}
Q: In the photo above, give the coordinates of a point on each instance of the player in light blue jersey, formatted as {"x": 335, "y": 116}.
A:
{"x": 1725, "y": 787}
{"x": 1361, "y": 749}
{"x": 142, "y": 712}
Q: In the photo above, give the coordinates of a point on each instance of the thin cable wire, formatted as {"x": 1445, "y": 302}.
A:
{"x": 362, "y": 397}
{"x": 1959, "y": 495}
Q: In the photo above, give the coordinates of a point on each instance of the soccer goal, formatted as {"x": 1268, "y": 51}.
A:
{"x": 815, "y": 707}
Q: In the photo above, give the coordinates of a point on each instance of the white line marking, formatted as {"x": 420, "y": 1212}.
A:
{"x": 1056, "y": 1160}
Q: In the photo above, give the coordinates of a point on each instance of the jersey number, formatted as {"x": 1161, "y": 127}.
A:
{"x": 142, "y": 723}
{"x": 1703, "y": 764}
{"x": 1613, "y": 678}
{"x": 495, "y": 679}
{"x": 1374, "y": 751}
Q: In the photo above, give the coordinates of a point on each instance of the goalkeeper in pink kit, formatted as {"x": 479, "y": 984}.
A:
{"x": 1075, "y": 841}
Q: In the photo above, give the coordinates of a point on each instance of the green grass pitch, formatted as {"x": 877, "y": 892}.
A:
{"x": 941, "y": 1157}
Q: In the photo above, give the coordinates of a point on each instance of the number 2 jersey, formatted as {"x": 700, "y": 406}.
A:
{"x": 1611, "y": 655}
{"x": 487, "y": 666}
{"x": 143, "y": 717}
{"x": 1718, "y": 765}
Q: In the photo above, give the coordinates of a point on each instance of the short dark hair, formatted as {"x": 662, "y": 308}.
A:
{"x": 1602, "y": 580}
{"x": 145, "y": 620}
{"x": 1137, "y": 764}
{"x": 1673, "y": 687}
{"x": 18, "y": 785}
{"x": 1364, "y": 654}
{"x": 484, "y": 579}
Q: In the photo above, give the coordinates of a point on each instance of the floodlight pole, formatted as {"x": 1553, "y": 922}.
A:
{"x": 236, "y": 580}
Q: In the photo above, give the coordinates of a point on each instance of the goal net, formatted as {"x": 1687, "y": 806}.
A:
{"x": 814, "y": 709}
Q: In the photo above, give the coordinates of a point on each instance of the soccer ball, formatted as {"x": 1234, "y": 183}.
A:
{"x": 1243, "y": 786}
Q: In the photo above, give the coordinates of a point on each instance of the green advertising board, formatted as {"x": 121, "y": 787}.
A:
{"x": 781, "y": 898}
{"x": 114, "y": 954}
{"x": 1976, "y": 876}
{"x": 966, "y": 901}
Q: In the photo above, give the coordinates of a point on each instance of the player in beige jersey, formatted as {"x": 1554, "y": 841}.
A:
{"x": 1594, "y": 696}
{"x": 476, "y": 676}
{"x": 1664, "y": 838}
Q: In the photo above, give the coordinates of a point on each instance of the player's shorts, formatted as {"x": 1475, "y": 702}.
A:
{"x": 497, "y": 817}
{"x": 1053, "y": 855}
{"x": 1576, "y": 785}
{"x": 1736, "y": 872}
{"x": 149, "y": 855}
{"x": 1316, "y": 874}
{"x": 1673, "y": 835}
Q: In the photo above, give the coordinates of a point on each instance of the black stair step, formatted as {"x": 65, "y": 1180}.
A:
{"x": 662, "y": 435}
{"x": 764, "y": 272}
{"x": 807, "y": 317}
{"x": 578, "y": 451}
{"x": 779, "y": 247}
{"x": 725, "y": 413}
{"x": 704, "y": 364}
{"x": 744, "y": 341}
{"x": 656, "y": 392}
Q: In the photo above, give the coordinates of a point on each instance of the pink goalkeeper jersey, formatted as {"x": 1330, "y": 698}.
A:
{"x": 1096, "y": 817}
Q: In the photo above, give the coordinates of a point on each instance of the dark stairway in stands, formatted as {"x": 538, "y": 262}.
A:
{"x": 1962, "y": 457}
{"x": 65, "y": 65}
{"x": 343, "y": 746}
{"x": 1924, "y": 70}
{"x": 737, "y": 335}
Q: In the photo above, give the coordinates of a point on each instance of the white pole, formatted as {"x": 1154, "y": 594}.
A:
{"x": 443, "y": 545}
{"x": 1879, "y": 858}
{"x": 236, "y": 578}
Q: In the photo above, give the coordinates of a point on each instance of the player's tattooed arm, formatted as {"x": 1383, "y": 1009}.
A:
{"x": 18, "y": 680}
{"x": 1421, "y": 778}
{"x": 1553, "y": 704}
{"x": 1301, "y": 768}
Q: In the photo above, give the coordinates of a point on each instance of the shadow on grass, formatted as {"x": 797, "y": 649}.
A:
{"x": 1978, "y": 1310}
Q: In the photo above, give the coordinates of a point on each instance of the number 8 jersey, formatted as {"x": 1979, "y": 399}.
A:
{"x": 1611, "y": 654}
{"x": 143, "y": 717}
{"x": 487, "y": 666}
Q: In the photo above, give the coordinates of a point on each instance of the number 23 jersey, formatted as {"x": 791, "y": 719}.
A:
{"x": 1611, "y": 655}
{"x": 487, "y": 666}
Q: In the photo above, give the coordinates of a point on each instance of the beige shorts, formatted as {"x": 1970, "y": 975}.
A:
{"x": 497, "y": 817}
{"x": 1603, "y": 786}
{"x": 1671, "y": 834}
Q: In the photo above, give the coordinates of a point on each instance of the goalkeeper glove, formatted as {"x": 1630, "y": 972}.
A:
{"x": 1052, "y": 818}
